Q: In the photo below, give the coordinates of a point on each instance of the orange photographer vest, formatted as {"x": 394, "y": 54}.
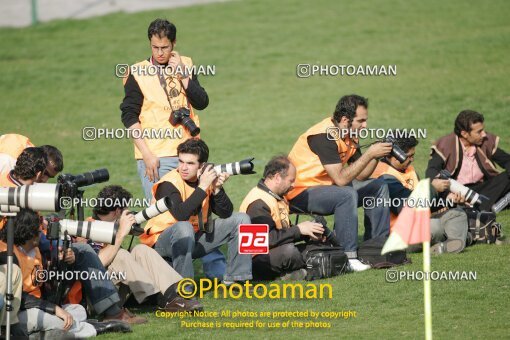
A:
{"x": 156, "y": 110}
{"x": 5, "y": 180}
{"x": 14, "y": 144}
{"x": 29, "y": 267}
{"x": 155, "y": 226}
{"x": 310, "y": 171}
{"x": 409, "y": 179}
{"x": 279, "y": 209}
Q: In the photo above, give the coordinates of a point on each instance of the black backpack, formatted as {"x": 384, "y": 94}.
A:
{"x": 323, "y": 261}
{"x": 369, "y": 252}
{"x": 483, "y": 227}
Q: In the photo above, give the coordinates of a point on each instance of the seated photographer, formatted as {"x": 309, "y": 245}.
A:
{"x": 265, "y": 205}
{"x": 38, "y": 314}
{"x": 147, "y": 273}
{"x": 470, "y": 155}
{"x": 34, "y": 165}
{"x": 13, "y": 145}
{"x": 448, "y": 227}
{"x": 332, "y": 174}
{"x": 187, "y": 231}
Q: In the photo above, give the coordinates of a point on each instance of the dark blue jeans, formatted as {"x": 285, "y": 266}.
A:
{"x": 340, "y": 201}
{"x": 102, "y": 294}
{"x": 377, "y": 217}
{"x": 343, "y": 203}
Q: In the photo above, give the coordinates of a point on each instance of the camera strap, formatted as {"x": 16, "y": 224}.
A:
{"x": 207, "y": 227}
{"x": 163, "y": 84}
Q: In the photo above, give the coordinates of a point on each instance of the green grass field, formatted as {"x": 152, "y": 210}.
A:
{"x": 58, "y": 77}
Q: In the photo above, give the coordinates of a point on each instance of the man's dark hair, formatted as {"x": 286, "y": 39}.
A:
{"x": 406, "y": 143}
{"x": 162, "y": 28}
{"x": 30, "y": 162}
{"x": 55, "y": 157}
{"x": 347, "y": 105}
{"x": 277, "y": 165}
{"x": 465, "y": 119}
{"x": 194, "y": 146}
{"x": 111, "y": 198}
{"x": 26, "y": 227}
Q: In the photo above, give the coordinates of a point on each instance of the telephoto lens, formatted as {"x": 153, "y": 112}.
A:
{"x": 244, "y": 167}
{"x": 92, "y": 177}
{"x": 471, "y": 196}
{"x": 38, "y": 197}
{"x": 161, "y": 205}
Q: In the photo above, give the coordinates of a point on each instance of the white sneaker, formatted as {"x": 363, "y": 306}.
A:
{"x": 357, "y": 266}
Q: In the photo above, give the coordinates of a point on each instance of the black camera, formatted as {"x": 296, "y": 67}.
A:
{"x": 396, "y": 151}
{"x": 71, "y": 183}
{"x": 328, "y": 234}
{"x": 182, "y": 116}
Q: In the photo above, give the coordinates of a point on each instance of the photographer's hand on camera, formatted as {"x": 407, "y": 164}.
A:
{"x": 440, "y": 185}
{"x": 219, "y": 181}
{"x": 108, "y": 253}
{"x": 457, "y": 198}
{"x": 126, "y": 220}
{"x": 312, "y": 229}
{"x": 206, "y": 176}
{"x": 69, "y": 257}
{"x": 65, "y": 316}
{"x": 378, "y": 150}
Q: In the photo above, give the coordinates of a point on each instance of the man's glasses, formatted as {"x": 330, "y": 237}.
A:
{"x": 164, "y": 49}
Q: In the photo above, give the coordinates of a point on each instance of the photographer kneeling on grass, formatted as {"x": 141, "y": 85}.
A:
{"x": 147, "y": 273}
{"x": 449, "y": 227}
{"x": 187, "y": 231}
{"x": 265, "y": 204}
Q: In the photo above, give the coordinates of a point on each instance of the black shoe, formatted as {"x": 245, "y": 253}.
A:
{"x": 111, "y": 326}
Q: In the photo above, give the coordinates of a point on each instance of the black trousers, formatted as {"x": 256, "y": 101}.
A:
{"x": 495, "y": 188}
{"x": 280, "y": 260}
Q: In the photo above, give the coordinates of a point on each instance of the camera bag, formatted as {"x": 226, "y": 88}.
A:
{"x": 369, "y": 252}
{"x": 323, "y": 261}
{"x": 482, "y": 227}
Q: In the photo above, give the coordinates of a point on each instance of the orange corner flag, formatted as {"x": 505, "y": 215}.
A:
{"x": 413, "y": 222}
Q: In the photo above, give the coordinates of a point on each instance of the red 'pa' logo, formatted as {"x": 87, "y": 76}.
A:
{"x": 253, "y": 239}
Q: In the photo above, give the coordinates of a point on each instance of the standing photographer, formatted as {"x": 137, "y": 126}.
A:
{"x": 149, "y": 102}
{"x": 154, "y": 101}
{"x": 187, "y": 231}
